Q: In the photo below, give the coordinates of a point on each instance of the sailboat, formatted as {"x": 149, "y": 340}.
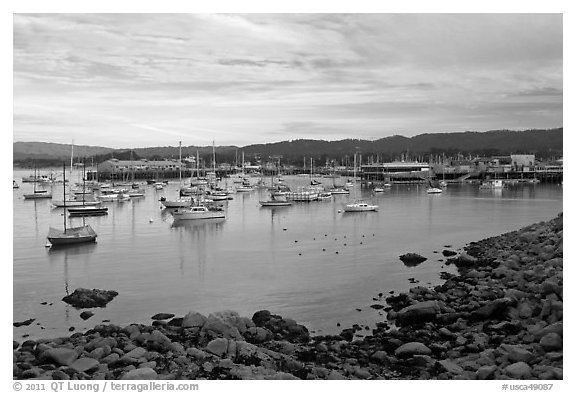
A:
{"x": 276, "y": 198}
{"x": 313, "y": 182}
{"x": 245, "y": 186}
{"x": 74, "y": 235}
{"x": 432, "y": 188}
{"x": 181, "y": 201}
{"x": 37, "y": 194}
{"x": 85, "y": 209}
{"x": 358, "y": 205}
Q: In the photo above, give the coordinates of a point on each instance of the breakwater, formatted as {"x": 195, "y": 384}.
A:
{"x": 501, "y": 317}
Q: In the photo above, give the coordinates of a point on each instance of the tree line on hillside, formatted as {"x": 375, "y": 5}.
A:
{"x": 543, "y": 143}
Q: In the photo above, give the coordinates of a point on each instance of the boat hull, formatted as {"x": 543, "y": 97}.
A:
{"x": 184, "y": 215}
{"x": 360, "y": 208}
{"x": 76, "y": 235}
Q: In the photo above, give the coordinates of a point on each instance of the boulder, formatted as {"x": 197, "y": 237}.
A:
{"x": 161, "y": 316}
{"x": 518, "y": 370}
{"x": 193, "y": 319}
{"x": 411, "y": 349}
{"x": 450, "y": 367}
{"x": 84, "y": 364}
{"x": 418, "y": 313}
{"x": 412, "y": 259}
{"x": 60, "y": 356}
{"x": 258, "y": 335}
{"x": 145, "y": 373}
{"x": 448, "y": 253}
{"x": 90, "y": 298}
{"x": 495, "y": 309}
{"x": 86, "y": 314}
{"x": 551, "y": 342}
{"x": 218, "y": 347}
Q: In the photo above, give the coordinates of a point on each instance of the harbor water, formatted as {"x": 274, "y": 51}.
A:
{"x": 310, "y": 261}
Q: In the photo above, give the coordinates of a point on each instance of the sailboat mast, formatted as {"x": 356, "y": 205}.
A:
{"x": 72, "y": 159}
{"x": 64, "y": 189}
{"x": 180, "y": 162}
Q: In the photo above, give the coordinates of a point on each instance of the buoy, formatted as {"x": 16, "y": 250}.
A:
{"x": 151, "y": 220}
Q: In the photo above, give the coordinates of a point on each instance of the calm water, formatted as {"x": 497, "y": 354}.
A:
{"x": 252, "y": 260}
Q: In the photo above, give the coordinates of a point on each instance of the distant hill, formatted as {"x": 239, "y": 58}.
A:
{"x": 543, "y": 143}
{"x": 44, "y": 150}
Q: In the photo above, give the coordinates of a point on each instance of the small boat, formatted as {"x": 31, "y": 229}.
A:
{"x": 84, "y": 211}
{"x": 324, "y": 196}
{"x": 339, "y": 190}
{"x": 433, "y": 190}
{"x": 123, "y": 197}
{"x": 159, "y": 186}
{"x": 108, "y": 197}
{"x": 200, "y": 212}
{"x": 38, "y": 194}
{"x": 74, "y": 235}
{"x": 492, "y": 184}
{"x": 360, "y": 207}
{"x": 74, "y": 202}
{"x": 177, "y": 203}
{"x": 83, "y": 234}
{"x": 135, "y": 193}
{"x": 378, "y": 189}
{"x": 276, "y": 200}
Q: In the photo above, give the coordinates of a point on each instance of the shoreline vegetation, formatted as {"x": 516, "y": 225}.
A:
{"x": 500, "y": 317}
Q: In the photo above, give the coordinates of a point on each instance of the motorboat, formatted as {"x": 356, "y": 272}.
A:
{"x": 360, "y": 207}
{"x": 200, "y": 212}
{"x": 433, "y": 190}
{"x": 339, "y": 190}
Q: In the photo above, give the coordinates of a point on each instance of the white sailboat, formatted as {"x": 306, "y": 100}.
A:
{"x": 74, "y": 235}
{"x": 358, "y": 205}
{"x": 180, "y": 201}
{"x": 38, "y": 194}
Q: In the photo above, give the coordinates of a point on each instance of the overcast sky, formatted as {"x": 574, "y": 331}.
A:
{"x": 125, "y": 80}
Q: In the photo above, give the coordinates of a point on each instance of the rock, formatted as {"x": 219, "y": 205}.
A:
{"x": 218, "y": 347}
{"x": 411, "y": 349}
{"x": 418, "y": 313}
{"x": 86, "y": 314}
{"x": 193, "y": 319}
{"x": 90, "y": 298}
{"x": 448, "y": 253}
{"x": 224, "y": 323}
{"x": 465, "y": 260}
{"x": 60, "y": 356}
{"x": 84, "y": 364}
{"x": 551, "y": 342}
{"x": 518, "y": 370}
{"x": 493, "y": 310}
{"x": 136, "y": 353}
{"x": 486, "y": 372}
{"x": 451, "y": 367}
{"x": 258, "y": 335}
{"x": 23, "y": 323}
{"x": 261, "y": 317}
{"x": 162, "y": 316}
{"x": 517, "y": 353}
{"x": 412, "y": 259}
{"x": 144, "y": 373}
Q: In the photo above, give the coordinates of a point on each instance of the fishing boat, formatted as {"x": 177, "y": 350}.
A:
{"x": 74, "y": 235}
{"x": 358, "y": 206}
{"x": 378, "y": 189}
{"x": 38, "y": 194}
{"x": 199, "y": 212}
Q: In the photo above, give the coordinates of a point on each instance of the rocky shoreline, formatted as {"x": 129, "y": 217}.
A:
{"x": 501, "y": 317}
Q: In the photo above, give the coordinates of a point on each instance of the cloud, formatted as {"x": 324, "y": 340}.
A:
{"x": 246, "y": 77}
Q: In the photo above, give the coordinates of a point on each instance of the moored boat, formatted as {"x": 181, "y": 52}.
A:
{"x": 200, "y": 212}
